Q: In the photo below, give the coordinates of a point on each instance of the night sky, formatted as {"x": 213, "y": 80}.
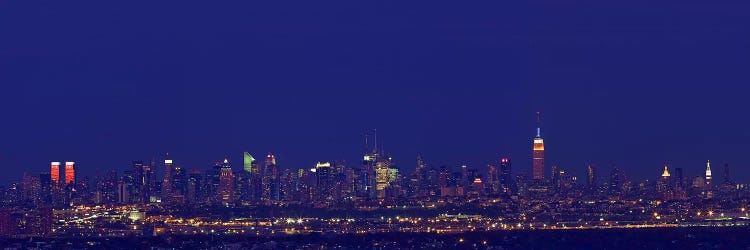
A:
{"x": 635, "y": 84}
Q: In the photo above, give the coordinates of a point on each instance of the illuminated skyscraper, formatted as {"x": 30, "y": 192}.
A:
{"x": 663, "y": 184}
{"x": 70, "y": 173}
{"x": 324, "y": 174}
{"x": 538, "y": 156}
{"x": 382, "y": 176}
{"x": 708, "y": 172}
{"x": 55, "y": 174}
{"x": 267, "y": 176}
{"x": 248, "y": 179}
{"x": 709, "y": 182}
{"x": 248, "y": 162}
{"x": 166, "y": 188}
{"x": 506, "y": 180}
{"x": 226, "y": 184}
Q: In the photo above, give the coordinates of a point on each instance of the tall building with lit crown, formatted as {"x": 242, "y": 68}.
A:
{"x": 506, "y": 179}
{"x": 166, "y": 186}
{"x": 226, "y": 184}
{"x": 55, "y": 174}
{"x": 709, "y": 181}
{"x": 663, "y": 184}
{"x": 267, "y": 176}
{"x": 538, "y": 155}
{"x": 70, "y": 173}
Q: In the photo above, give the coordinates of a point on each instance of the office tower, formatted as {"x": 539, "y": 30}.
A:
{"x": 212, "y": 190}
{"x": 248, "y": 162}
{"x": 324, "y": 174}
{"x": 591, "y": 177}
{"x": 246, "y": 179}
{"x": 267, "y": 176}
{"x": 137, "y": 186}
{"x": 382, "y": 176}
{"x": 615, "y": 181}
{"x": 368, "y": 179}
{"x": 45, "y": 188}
{"x": 680, "y": 181}
{"x": 708, "y": 173}
{"x": 70, "y": 173}
{"x": 493, "y": 179}
{"x": 663, "y": 183}
{"x": 149, "y": 182}
{"x": 179, "y": 182}
{"x": 192, "y": 194}
{"x": 30, "y": 187}
{"x": 55, "y": 174}
{"x": 421, "y": 171}
{"x": 226, "y": 184}
{"x": 506, "y": 180}
{"x": 123, "y": 193}
{"x": 709, "y": 182}
{"x": 555, "y": 177}
{"x": 167, "y": 188}
{"x": 538, "y": 155}
{"x": 464, "y": 181}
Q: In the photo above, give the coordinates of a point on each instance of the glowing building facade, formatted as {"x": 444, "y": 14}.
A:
{"x": 70, "y": 173}
{"x": 538, "y": 155}
{"x": 226, "y": 184}
{"x": 55, "y": 174}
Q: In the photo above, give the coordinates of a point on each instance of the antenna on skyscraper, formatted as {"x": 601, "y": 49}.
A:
{"x": 538, "y": 124}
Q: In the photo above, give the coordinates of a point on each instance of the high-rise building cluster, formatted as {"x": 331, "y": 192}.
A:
{"x": 376, "y": 181}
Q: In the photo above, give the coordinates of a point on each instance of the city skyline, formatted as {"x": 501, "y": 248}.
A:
{"x": 538, "y": 170}
{"x": 386, "y": 125}
{"x": 299, "y": 82}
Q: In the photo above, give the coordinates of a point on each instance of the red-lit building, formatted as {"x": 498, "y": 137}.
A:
{"x": 55, "y": 174}
{"x": 70, "y": 173}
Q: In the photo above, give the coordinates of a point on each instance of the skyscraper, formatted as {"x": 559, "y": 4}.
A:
{"x": 538, "y": 156}
{"x": 248, "y": 179}
{"x": 226, "y": 184}
{"x": 267, "y": 175}
{"x": 591, "y": 177}
{"x": 663, "y": 184}
{"x": 248, "y": 162}
{"x": 506, "y": 180}
{"x": 55, "y": 174}
{"x": 166, "y": 187}
{"x": 709, "y": 182}
{"x": 708, "y": 172}
{"x": 421, "y": 186}
{"x": 70, "y": 173}
{"x": 615, "y": 181}
{"x": 324, "y": 175}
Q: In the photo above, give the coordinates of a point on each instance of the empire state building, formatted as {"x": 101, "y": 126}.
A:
{"x": 538, "y": 156}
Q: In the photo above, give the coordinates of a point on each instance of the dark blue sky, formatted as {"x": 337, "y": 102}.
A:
{"x": 632, "y": 83}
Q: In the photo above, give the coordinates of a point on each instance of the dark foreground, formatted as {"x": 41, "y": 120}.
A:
{"x": 655, "y": 238}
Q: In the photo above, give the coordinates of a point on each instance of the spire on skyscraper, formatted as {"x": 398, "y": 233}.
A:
{"x": 666, "y": 172}
{"x": 538, "y": 124}
{"x": 708, "y": 170}
{"x": 538, "y": 155}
